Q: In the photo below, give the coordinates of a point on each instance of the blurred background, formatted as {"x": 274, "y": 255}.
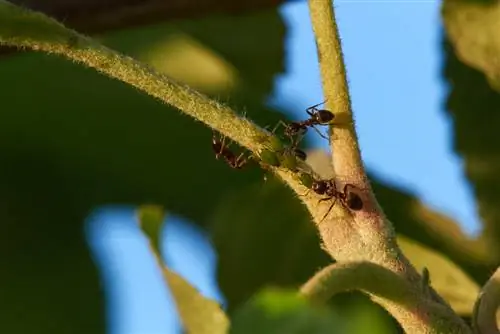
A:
{"x": 80, "y": 152}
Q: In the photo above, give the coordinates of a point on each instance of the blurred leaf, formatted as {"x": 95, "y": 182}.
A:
{"x": 98, "y": 15}
{"x": 72, "y": 140}
{"x": 198, "y": 314}
{"x": 263, "y": 235}
{"x": 445, "y": 276}
{"x": 473, "y": 106}
{"x": 282, "y": 311}
{"x": 151, "y": 219}
{"x": 473, "y": 27}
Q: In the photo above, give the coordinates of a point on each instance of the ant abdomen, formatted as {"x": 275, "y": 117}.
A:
{"x": 354, "y": 202}
{"x": 324, "y": 116}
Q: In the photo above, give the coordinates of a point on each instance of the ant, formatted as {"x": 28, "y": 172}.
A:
{"x": 221, "y": 150}
{"x": 328, "y": 187}
{"x": 317, "y": 117}
{"x": 300, "y": 154}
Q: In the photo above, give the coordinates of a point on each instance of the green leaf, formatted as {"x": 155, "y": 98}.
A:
{"x": 446, "y": 278}
{"x": 151, "y": 218}
{"x": 273, "y": 241}
{"x": 472, "y": 105}
{"x": 262, "y": 233}
{"x": 198, "y": 314}
{"x": 473, "y": 28}
{"x": 72, "y": 140}
{"x": 283, "y": 311}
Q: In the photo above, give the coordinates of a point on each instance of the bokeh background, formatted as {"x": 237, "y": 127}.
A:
{"x": 80, "y": 152}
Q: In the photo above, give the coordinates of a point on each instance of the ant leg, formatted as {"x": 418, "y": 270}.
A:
{"x": 240, "y": 161}
{"x": 319, "y": 132}
{"x": 329, "y": 210}
{"x": 216, "y": 141}
{"x": 280, "y": 122}
{"x": 310, "y": 110}
{"x": 347, "y": 186}
{"x": 306, "y": 193}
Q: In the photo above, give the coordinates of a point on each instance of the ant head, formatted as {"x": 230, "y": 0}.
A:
{"x": 300, "y": 154}
{"x": 354, "y": 202}
{"x": 319, "y": 187}
{"x": 324, "y": 116}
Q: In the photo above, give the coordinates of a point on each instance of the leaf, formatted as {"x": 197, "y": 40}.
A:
{"x": 151, "y": 219}
{"x": 120, "y": 14}
{"x": 446, "y": 277}
{"x": 283, "y": 311}
{"x": 273, "y": 241}
{"x": 72, "y": 140}
{"x": 473, "y": 27}
{"x": 198, "y": 314}
{"x": 472, "y": 106}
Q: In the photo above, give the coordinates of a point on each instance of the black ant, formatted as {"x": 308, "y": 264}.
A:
{"x": 300, "y": 154}
{"x": 348, "y": 198}
{"x": 221, "y": 150}
{"x": 318, "y": 117}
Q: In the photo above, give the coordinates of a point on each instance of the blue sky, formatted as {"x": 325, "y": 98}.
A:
{"x": 393, "y": 59}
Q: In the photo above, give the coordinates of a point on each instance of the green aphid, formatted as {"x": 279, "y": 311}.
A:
{"x": 275, "y": 144}
{"x": 269, "y": 157}
{"x": 289, "y": 161}
{"x": 306, "y": 180}
{"x": 271, "y": 142}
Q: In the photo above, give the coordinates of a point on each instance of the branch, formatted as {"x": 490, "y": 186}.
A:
{"x": 347, "y": 157}
{"x": 363, "y": 276}
{"x": 385, "y": 285}
{"x": 484, "y": 317}
{"x": 366, "y": 234}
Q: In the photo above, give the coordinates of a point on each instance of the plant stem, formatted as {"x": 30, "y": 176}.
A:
{"x": 366, "y": 235}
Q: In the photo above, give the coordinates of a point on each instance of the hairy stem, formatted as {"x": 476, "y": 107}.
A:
{"x": 366, "y": 235}
{"x": 346, "y": 154}
{"x": 386, "y": 285}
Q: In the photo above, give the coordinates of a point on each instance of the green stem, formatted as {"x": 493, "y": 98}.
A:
{"x": 416, "y": 313}
{"x": 367, "y": 234}
{"x": 346, "y": 155}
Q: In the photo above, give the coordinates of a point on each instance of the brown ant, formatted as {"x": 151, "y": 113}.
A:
{"x": 348, "y": 198}
{"x": 300, "y": 154}
{"x": 221, "y": 150}
{"x": 318, "y": 117}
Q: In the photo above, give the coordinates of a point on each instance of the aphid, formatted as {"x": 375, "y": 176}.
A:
{"x": 348, "y": 198}
{"x": 269, "y": 157}
{"x": 221, "y": 150}
{"x": 306, "y": 180}
{"x": 289, "y": 161}
{"x": 318, "y": 117}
